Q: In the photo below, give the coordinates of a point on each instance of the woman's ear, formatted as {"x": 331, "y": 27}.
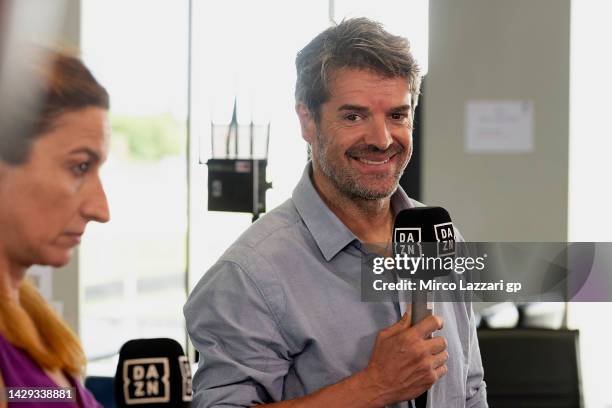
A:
{"x": 307, "y": 122}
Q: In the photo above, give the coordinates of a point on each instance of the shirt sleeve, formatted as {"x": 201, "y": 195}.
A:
{"x": 243, "y": 356}
{"x": 476, "y": 388}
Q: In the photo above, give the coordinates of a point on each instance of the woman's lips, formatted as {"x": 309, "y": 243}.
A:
{"x": 71, "y": 238}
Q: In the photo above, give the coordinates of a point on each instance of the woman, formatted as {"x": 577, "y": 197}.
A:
{"x": 50, "y": 155}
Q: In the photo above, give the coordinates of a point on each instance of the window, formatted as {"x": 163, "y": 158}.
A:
{"x": 133, "y": 269}
{"x": 245, "y": 50}
{"x": 590, "y": 146}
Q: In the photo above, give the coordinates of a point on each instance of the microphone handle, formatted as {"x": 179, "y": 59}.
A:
{"x": 422, "y": 306}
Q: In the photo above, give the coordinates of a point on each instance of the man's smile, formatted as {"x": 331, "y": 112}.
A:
{"x": 371, "y": 160}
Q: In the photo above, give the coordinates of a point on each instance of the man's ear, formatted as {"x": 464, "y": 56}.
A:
{"x": 307, "y": 122}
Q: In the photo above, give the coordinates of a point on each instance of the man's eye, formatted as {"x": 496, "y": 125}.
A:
{"x": 81, "y": 168}
{"x": 398, "y": 116}
{"x": 352, "y": 117}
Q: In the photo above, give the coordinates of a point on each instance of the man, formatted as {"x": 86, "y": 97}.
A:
{"x": 279, "y": 318}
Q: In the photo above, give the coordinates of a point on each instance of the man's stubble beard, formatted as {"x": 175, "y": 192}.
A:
{"x": 348, "y": 185}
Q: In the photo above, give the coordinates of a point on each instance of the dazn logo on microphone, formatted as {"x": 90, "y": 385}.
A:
{"x": 445, "y": 235}
{"x": 145, "y": 380}
{"x": 407, "y": 241}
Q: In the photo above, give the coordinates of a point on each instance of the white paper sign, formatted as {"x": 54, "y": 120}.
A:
{"x": 499, "y": 127}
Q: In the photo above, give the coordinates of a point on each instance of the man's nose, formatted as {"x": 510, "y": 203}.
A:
{"x": 379, "y": 134}
{"x": 95, "y": 206}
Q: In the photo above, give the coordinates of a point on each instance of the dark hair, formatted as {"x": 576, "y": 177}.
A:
{"x": 354, "y": 43}
{"x": 51, "y": 83}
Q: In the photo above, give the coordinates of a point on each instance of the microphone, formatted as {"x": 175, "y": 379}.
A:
{"x": 425, "y": 232}
{"x": 153, "y": 373}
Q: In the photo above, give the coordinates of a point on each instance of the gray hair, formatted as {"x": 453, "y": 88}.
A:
{"x": 354, "y": 43}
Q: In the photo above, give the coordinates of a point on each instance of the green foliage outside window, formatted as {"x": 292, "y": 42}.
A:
{"x": 148, "y": 138}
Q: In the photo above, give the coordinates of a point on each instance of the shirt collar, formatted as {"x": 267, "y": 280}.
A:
{"x": 328, "y": 231}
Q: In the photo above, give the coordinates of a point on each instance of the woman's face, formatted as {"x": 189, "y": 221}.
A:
{"x": 46, "y": 202}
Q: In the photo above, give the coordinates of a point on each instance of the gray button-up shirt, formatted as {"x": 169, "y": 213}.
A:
{"x": 279, "y": 315}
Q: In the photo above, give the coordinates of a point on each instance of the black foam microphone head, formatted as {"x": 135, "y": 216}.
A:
{"x": 431, "y": 224}
{"x": 153, "y": 373}
{"x": 424, "y": 231}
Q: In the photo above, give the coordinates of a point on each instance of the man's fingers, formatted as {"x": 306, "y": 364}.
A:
{"x": 428, "y": 325}
{"x": 441, "y": 371}
{"x": 439, "y": 359}
{"x": 437, "y": 344}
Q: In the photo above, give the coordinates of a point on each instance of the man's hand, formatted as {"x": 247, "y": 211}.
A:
{"x": 405, "y": 362}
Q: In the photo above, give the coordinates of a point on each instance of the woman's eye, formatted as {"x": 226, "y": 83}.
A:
{"x": 81, "y": 168}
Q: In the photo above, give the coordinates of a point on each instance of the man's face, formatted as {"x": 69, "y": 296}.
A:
{"x": 364, "y": 139}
